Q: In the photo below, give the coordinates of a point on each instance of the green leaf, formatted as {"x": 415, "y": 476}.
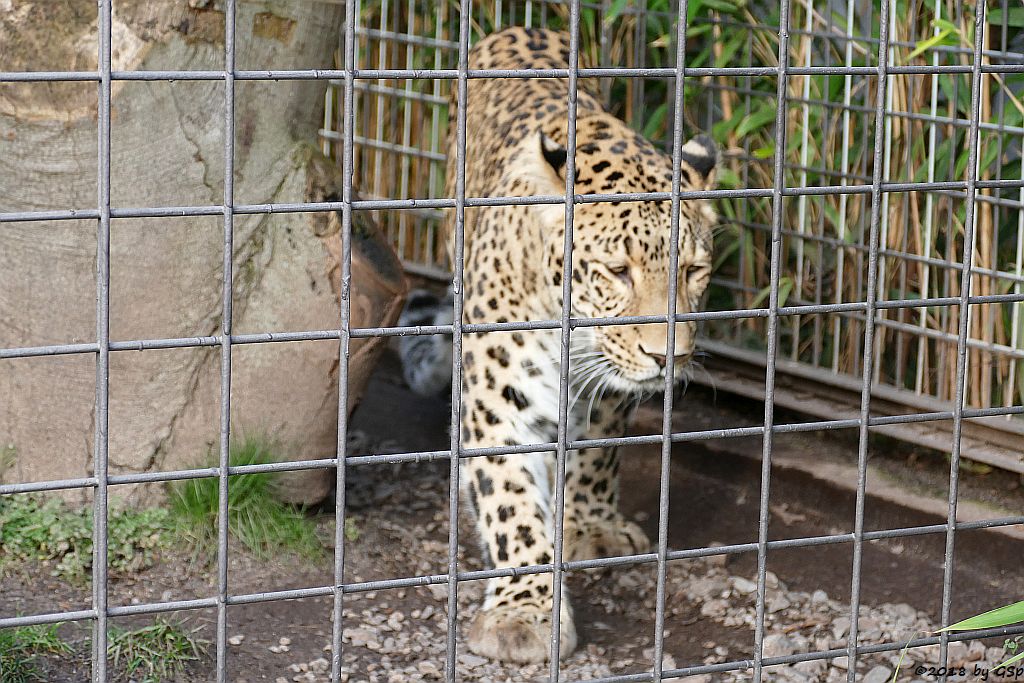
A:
{"x": 614, "y": 11}
{"x": 946, "y": 25}
{"x": 757, "y": 119}
{"x": 721, "y": 5}
{"x": 785, "y": 287}
{"x": 1015, "y": 17}
{"x": 1003, "y": 616}
{"x": 727, "y": 179}
{"x": 926, "y": 45}
{"x": 765, "y": 152}
{"x": 1011, "y": 660}
{"x": 653, "y": 124}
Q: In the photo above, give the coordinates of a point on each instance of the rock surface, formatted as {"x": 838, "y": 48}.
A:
{"x": 167, "y": 149}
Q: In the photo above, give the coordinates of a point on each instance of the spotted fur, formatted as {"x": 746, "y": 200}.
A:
{"x": 515, "y": 146}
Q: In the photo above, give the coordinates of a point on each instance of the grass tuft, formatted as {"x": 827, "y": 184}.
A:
{"x": 20, "y": 647}
{"x": 255, "y": 518}
{"x": 158, "y": 652}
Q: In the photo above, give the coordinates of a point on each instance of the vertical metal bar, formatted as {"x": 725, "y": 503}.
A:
{"x": 801, "y": 222}
{"x": 380, "y": 107}
{"x": 844, "y": 169}
{"x": 878, "y": 169}
{"x": 344, "y": 333}
{"x": 929, "y": 200}
{"x": 566, "y": 331}
{"x": 462, "y": 97}
{"x": 225, "y": 346}
{"x": 964, "y": 321}
{"x": 325, "y": 143}
{"x": 604, "y": 58}
{"x": 670, "y": 345}
{"x": 434, "y": 258}
{"x": 406, "y": 159}
{"x": 639, "y": 59}
{"x": 884, "y": 239}
{"x": 101, "y": 437}
{"x": 778, "y": 212}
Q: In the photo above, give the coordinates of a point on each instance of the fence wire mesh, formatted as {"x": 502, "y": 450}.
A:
{"x": 900, "y": 267}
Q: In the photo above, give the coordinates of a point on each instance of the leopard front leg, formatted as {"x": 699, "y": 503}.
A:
{"x": 512, "y": 499}
{"x": 594, "y": 527}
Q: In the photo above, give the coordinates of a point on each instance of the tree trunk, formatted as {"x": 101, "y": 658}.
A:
{"x": 167, "y": 149}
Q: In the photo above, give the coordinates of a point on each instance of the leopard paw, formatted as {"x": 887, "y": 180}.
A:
{"x": 519, "y": 634}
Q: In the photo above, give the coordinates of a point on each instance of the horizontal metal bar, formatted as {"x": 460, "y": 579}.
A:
{"x": 452, "y": 74}
{"x": 534, "y": 200}
{"x": 385, "y": 146}
{"x": 479, "y": 328}
{"x": 400, "y": 93}
{"x": 429, "y": 456}
{"x": 483, "y": 574}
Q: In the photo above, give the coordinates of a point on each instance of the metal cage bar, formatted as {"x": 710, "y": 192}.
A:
{"x": 867, "y": 311}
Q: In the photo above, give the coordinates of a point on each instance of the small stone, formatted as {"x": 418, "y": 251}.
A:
{"x": 777, "y": 645}
{"x": 428, "y": 669}
{"x": 395, "y": 621}
{"x": 840, "y": 627}
{"x": 717, "y": 560}
{"x": 813, "y": 669}
{"x": 777, "y": 603}
{"x": 236, "y": 639}
{"x": 880, "y": 674}
{"x": 471, "y": 661}
{"x": 744, "y": 586}
{"x": 320, "y": 665}
{"x": 957, "y": 653}
{"x": 819, "y": 597}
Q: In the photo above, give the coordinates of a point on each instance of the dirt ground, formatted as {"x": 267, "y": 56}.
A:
{"x": 401, "y": 515}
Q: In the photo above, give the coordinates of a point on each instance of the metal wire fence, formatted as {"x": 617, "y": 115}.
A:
{"x": 831, "y": 83}
{"x": 791, "y": 309}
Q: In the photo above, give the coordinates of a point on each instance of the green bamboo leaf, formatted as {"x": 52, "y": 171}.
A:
{"x": 1015, "y": 17}
{"x": 653, "y": 124}
{"x": 614, "y": 11}
{"x": 757, "y": 119}
{"x": 926, "y": 45}
{"x": 1003, "y": 616}
{"x": 721, "y": 5}
{"x": 947, "y": 25}
{"x": 1011, "y": 660}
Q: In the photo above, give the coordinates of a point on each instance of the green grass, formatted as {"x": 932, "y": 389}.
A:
{"x": 21, "y": 647}
{"x": 37, "y": 528}
{"x": 255, "y": 518}
{"x": 33, "y": 527}
{"x": 154, "y": 653}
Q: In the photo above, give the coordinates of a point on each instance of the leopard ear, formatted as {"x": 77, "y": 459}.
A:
{"x": 554, "y": 154}
{"x": 700, "y": 157}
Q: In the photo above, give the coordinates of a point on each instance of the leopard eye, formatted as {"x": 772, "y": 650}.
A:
{"x": 696, "y": 272}
{"x": 620, "y": 271}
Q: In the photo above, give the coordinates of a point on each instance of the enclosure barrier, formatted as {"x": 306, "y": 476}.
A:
{"x": 775, "y": 314}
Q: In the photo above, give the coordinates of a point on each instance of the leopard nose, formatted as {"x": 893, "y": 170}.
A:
{"x": 659, "y": 358}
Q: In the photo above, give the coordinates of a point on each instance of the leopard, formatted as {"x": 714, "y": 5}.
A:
{"x": 516, "y": 137}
